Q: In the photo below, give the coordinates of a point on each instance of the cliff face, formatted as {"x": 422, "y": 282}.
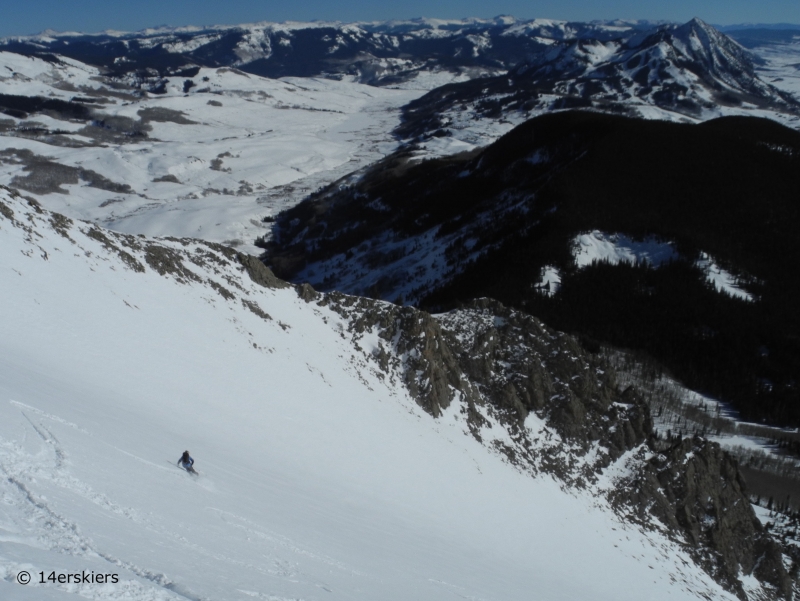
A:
{"x": 548, "y": 406}
{"x": 697, "y": 491}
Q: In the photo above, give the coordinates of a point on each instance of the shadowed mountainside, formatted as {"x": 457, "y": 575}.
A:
{"x": 722, "y": 193}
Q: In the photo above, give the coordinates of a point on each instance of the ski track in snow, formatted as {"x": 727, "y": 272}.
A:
{"x": 57, "y": 532}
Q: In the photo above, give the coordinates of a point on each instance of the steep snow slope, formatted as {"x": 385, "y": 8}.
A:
{"x": 320, "y": 478}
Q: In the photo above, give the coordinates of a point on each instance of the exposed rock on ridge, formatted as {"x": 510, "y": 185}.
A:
{"x": 558, "y": 411}
{"x": 695, "y": 488}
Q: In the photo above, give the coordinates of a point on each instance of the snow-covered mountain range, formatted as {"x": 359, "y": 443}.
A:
{"x": 178, "y": 132}
{"x": 381, "y": 53}
{"x": 689, "y": 72}
{"x": 346, "y": 447}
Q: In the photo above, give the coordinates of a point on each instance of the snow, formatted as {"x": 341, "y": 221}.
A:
{"x": 780, "y": 65}
{"x": 742, "y": 443}
{"x": 281, "y": 139}
{"x": 722, "y": 280}
{"x": 550, "y": 280}
{"x": 30, "y": 76}
{"x": 272, "y": 141}
{"x": 597, "y": 246}
{"x": 319, "y": 479}
{"x": 430, "y": 79}
{"x": 584, "y": 58}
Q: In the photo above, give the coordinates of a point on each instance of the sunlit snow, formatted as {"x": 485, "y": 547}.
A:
{"x": 235, "y": 150}
{"x": 597, "y": 246}
{"x": 722, "y": 280}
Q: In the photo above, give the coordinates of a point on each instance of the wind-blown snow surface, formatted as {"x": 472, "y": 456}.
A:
{"x": 319, "y": 479}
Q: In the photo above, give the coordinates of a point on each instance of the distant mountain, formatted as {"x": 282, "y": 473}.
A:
{"x": 690, "y": 70}
{"x": 381, "y": 53}
{"x": 694, "y": 226}
{"x": 746, "y": 26}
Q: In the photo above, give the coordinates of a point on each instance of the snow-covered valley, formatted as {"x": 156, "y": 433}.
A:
{"x": 210, "y": 152}
{"x": 211, "y": 164}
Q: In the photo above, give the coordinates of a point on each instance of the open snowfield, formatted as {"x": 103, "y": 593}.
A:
{"x": 319, "y": 479}
{"x": 215, "y": 162}
{"x": 781, "y": 66}
{"x": 597, "y": 246}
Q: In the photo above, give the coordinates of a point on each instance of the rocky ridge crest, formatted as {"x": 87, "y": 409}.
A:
{"x": 548, "y": 406}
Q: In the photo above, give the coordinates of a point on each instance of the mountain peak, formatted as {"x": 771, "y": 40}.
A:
{"x": 698, "y": 22}
{"x": 699, "y": 27}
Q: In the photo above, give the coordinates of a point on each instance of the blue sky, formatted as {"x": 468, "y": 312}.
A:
{"x": 31, "y": 16}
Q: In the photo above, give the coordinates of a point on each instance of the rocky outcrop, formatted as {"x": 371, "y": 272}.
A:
{"x": 561, "y": 413}
{"x": 260, "y": 273}
{"x": 697, "y": 491}
{"x": 413, "y": 348}
{"x": 502, "y": 367}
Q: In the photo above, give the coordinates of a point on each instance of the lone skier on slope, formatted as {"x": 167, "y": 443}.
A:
{"x": 186, "y": 462}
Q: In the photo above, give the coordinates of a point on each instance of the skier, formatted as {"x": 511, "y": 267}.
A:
{"x": 186, "y": 462}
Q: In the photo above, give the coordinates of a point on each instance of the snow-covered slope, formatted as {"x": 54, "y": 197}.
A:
{"x": 402, "y": 232}
{"x": 680, "y": 68}
{"x": 321, "y": 474}
{"x": 597, "y": 246}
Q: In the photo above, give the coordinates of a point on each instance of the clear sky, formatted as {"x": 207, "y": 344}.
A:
{"x": 23, "y": 17}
